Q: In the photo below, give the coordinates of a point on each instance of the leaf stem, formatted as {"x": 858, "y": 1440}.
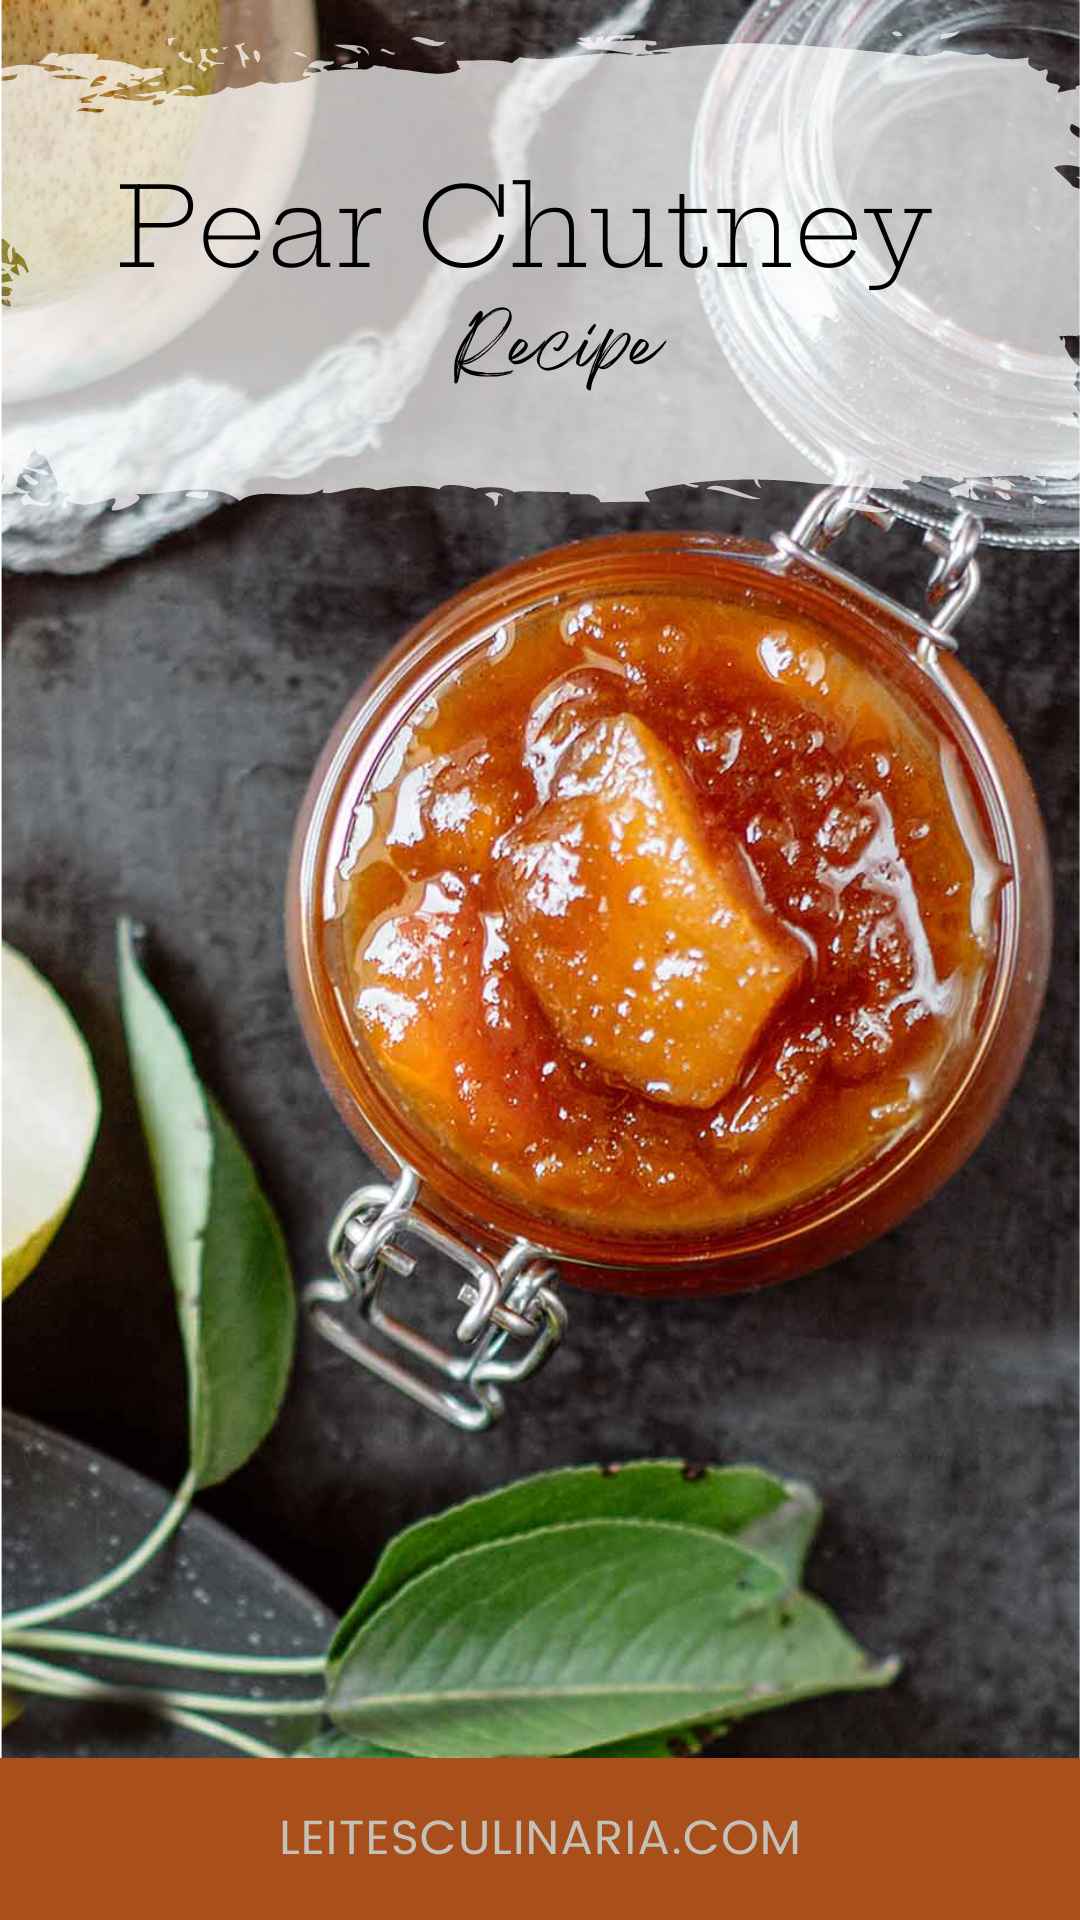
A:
{"x": 23, "y": 1671}
{"x": 108, "y": 1582}
{"x": 59, "y": 1684}
{"x": 228, "y": 1736}
{"x": 104, "y": 1647}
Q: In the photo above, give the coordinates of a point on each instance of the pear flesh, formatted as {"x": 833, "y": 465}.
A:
{"x": 50, "y": 1113}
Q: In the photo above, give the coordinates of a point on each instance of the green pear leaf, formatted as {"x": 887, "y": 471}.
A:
{"x": 774, "y": 1517}
{"x": 578, "y": 1635}
{"x": 227, "y": 1257}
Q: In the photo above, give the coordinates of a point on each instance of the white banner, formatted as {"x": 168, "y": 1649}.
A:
{"x": 604, "y": 273}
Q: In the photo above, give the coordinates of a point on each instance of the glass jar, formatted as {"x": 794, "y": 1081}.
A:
{"x": 837, "y": 391}
{"x": 491, "y": 1235}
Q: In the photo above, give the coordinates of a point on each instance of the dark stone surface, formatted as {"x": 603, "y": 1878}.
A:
{"x": 162, "y": 720}
{"x": 161, "y": 723}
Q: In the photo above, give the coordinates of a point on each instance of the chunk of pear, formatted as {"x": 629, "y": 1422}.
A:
{"x": 435, "y": 995}
{"x": 642, "y": 938}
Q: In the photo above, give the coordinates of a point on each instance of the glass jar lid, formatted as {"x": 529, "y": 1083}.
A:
{"x": 948, "y": 384}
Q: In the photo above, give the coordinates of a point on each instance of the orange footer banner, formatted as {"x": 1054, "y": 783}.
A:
{"x": 836, "y": 1836}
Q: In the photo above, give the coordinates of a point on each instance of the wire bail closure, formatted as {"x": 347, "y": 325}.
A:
{"x": 512, "y": 1300}
{"x": 954, "y": 580}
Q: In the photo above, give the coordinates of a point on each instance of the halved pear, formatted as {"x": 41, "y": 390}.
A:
{"x": 50, "y": 1113}
{"x": 169, "y": 35}
{"x": 73, "y": 132}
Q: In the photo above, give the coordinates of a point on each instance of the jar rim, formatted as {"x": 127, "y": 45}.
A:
{"x": 839, "y": 388}
{"x": 375, "y": 717}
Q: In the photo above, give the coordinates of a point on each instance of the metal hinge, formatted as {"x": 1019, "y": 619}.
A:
{"x": 954, "y": 579}
{"x": 512, "y": 1300}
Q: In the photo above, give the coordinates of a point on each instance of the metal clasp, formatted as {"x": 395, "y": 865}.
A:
{"x": 512, "y": 1300}
{"x": 954, "y": 580}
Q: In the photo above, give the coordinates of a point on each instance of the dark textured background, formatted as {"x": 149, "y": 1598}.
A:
{"x": 161, "y": 723}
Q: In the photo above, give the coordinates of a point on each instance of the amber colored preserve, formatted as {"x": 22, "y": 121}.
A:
{"x": 667, "y": 910}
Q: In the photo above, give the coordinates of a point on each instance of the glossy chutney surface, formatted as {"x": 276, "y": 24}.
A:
{"x": 665, "y": 915}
